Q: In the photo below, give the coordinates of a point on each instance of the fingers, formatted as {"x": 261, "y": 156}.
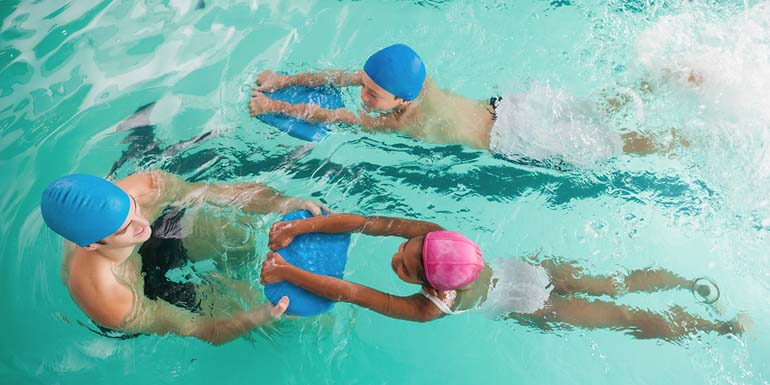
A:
{"x": 274, "y": 242}
{"x": 275, "y": 258}
{"x": 280, "y": 308}
{"x": 274, "y": 239}
{"x": 257, "y": 92}
{"x": 326, "y": 208}
{"x": 317, "y": 208}
{"x": 314, "y": 208}
{"x": 267, "y": 264}
{"x": 276, "y": 226}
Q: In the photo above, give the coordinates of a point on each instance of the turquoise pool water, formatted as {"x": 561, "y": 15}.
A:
{"x": 70, "y": 73}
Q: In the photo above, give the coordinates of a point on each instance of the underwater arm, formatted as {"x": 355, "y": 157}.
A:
{"x": 636, "y": 143}
{"x": 169, "y": 319}
{"x": 413, "y": 308}
{"x": 250, "y": 197}
{"x": 114, "y": 305}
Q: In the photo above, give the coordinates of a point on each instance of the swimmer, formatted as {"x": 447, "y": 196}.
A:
{"x": 124, "y": 237}
{"x": 538, "y": 124}
{"x": 454, "y": 278}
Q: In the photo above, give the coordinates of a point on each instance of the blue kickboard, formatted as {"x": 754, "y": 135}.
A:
{"x": 325, "y": 96}
{"x": 318, "y": 253}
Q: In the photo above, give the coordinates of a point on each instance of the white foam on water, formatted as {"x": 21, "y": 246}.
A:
{"x": 719, "y": 68}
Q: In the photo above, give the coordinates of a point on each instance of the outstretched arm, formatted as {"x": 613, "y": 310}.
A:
{"x": 413, "y": 308}
{"x": 261, "y": 104}
{"x": 282, "y": 233}
{"x": 165, "y": 318}
{"x": 270, "y": 81}
{"x": 115, "y": 306}
{"x": 161, "y": 188}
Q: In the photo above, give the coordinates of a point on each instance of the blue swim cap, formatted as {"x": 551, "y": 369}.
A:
{"x": 84, "y": 208}
{"x": 398, "y": 70}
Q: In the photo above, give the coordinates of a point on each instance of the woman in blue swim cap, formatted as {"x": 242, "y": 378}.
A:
{"x": 125, "y": 237}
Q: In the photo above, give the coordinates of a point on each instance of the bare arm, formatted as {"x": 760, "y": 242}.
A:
{"x": 164, "y": 318}
{"x": 261, "y": 104}
{"x": 270, "y": 81}
{"x": 282, "y": 233}
{"x": 250, "y": 197}
{"x": 114, "y": 305}
{"x": 413, "y": 308}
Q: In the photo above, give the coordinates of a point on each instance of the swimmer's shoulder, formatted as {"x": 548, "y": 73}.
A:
{"x": 148, "y": 187}
{"x": 142, "y": 182}
{"x": 94, "y": 287}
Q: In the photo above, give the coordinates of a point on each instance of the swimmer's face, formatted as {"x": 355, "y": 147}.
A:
{"x": 134, "y": 230}
{"x": 407, "y": 262}
{"x": 376, "y": 98}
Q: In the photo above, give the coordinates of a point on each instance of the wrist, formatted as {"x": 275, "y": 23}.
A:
{"x": 277, "y": 106}
{"x": 255, "y": 317}
{"x": 260, "y": 316}
{"x": 286, "y": 272}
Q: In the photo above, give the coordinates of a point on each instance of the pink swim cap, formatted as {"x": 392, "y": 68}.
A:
{"x": 451, "y": 260}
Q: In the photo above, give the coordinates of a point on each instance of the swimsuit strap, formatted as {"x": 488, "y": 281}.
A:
{"x": 440, "y": 304}
{"x": 494, "y": 102}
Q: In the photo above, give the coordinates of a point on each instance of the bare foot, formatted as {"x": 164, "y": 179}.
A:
{"x": 744, "y": 322}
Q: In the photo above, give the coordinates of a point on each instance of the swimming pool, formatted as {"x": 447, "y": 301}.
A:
{"x": 70, "y": 73}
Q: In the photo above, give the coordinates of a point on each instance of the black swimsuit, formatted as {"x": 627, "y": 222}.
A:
{"x": 494, "y": 102}
{"x": 163, "y": 252}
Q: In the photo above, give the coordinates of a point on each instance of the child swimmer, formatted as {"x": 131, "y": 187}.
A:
{"x": 538, "y": 124}
{"x": 454, "y": 278}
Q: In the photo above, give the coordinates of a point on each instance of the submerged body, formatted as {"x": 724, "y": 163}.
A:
{"x": 538, "y": 124}
{"x": 120, "y": 280}
{"x": 546, "y": 294}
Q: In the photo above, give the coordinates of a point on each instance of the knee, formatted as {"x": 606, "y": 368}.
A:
{"x": 650, "y": 325}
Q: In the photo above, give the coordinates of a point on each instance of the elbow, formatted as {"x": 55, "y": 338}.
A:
{"x": 428, "y": 313}
{"x": 424, "y": 317}
{"x": 434, "y": 227}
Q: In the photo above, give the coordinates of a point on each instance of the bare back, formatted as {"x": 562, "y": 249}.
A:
{"x": 448, "y": 118}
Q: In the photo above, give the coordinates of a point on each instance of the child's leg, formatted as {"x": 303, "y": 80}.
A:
{"x": 570, "y": 279}
{"x": 639, "y": 323}
{"x": 636, "y": 143}
{"x": 654, "y": 280}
